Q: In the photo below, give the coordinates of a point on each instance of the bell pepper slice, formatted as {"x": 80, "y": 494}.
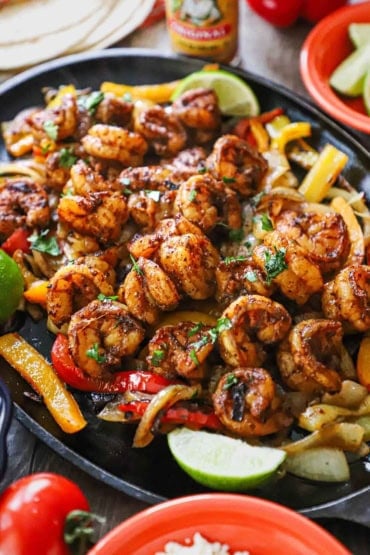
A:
{"x": 18, "y": 240}
{"x": 291, "y": 132}
{"x": 323, "y": 173}
{"x": 176, "y": 415}
{"x": 40, "y": 375}
{"x": 356, "y": 236}
{"x": 129, "y": 380}
{"x": 37, "y": 292}
{"x": 156, "y": 93}
{"x": 363, "y": 363}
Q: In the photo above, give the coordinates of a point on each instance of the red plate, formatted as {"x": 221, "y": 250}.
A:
{"x": 324, "y": 48}
{"x": 242, "y": 522}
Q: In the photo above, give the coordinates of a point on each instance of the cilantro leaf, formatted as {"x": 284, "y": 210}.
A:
{"x": 274, "y": 263}
{"x": 51, "y": 129}
{"x": 43, "y": 243}
{"x": 93, "y": 353}
{"x": 91, "y": 101}
{"x": 157, "y": 357}
{"x": 67, "y": 158}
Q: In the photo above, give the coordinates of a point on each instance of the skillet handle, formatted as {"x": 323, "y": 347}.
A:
{"x": 5, "y": 418}
{"x": 354, "y": 507}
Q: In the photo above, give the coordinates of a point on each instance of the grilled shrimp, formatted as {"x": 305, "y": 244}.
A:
{"x": 101, "y": 334}
{"x": 247, "y": 403}
{"x": 74, "y": 286}
{"x": 147, "y": 290}
{"x": 85, "y": 180}
{"x": 234, "y": 161}
{"x": 207, "y": 202}
{"x": 180, "y": 350}
{"x": 62, "y": 118}
{"x": 310, "y": 358}
{"x": 116, "y": 144}
{"x": 239, "y": 277}
{"x": 190, "y": 261}
{"x": 22, "y": 203}
{"x": 114, "y": 111}
{"x": 199, "y": 112}
{"x": 347, "y": 298}
{"x": 101, "y": 215}
{"x": 288, "y": 265}
{"x": 151, "y": 178}
{"x": 188, "y": 162}
{"x": 323, "y": 236}
{"x": 148, "y": 208}
{"x": 254, "y": 320}
{"x": 163, "y": 131}
{"x": 147, "y": 245}
{"x": 17, "y": 133}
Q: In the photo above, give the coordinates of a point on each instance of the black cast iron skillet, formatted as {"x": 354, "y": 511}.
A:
{"x": 104, "y": 449}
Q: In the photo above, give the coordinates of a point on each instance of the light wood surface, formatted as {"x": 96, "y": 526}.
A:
{"x": 274, "y": 54}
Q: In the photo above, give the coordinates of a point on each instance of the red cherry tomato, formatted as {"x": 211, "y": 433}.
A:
{"x": 313, "y": 11}
{"x": 281, "y": 13}
{"x": 33, "y": 513}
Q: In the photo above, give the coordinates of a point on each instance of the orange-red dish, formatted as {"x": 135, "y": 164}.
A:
{"x": 324, "y": 48}
{"x": 240, "y": 521}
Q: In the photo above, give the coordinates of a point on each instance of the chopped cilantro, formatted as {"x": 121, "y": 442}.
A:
{"x": 51, "y": 129}
{"x": 231, "y": 380}
{"x": 67, "y": 158}
{"x": 102, "y": 297}
{"x": 202, "y": 169}
{"x": 93, "y": 353}
{"x": 257, "y": 198}
{"x": 236, "y": 234}
{"x": 127, "y": 191}
{"x": 135, "y": 265}
{"x": 157, "y": 357}
{"x": 274, "y": 263}
{"x": 195, "y": 329}
{"x": 43, "y": 243}
{"x": 45, "y": 148}
{"x": 251, "y": 276}
{"x": 92, "y": 101}
{"x": 226, "y": 179}
{"x": 154, "y": 195}
{"x": 192, "y": 195}
{"x": 194, "y": 358}
{"x": 223, "y": 324}
{"x": 126, "y": 181}
{"x": 199, "y": 344}
{"x": 231, "y": 259}
{"x": 266, "y": 223}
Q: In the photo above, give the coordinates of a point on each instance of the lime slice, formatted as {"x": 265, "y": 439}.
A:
{"x": 221, "y": 462}
{"x": 348, "y": 77}
{"x": 235, "y": 96}
{"x": 11, "y": 286}
{"x": 359, "y": 33}
{"x": 366, "y": 92}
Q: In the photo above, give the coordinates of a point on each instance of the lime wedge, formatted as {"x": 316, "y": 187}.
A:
{"x": 236, "y": 98}
{"x": 221, "y": 462}
{"x": 359, "y": 33}
{"x": 366, "y": 92}
{"x": 11, "y": 286}
{"x": 348, "y": 77}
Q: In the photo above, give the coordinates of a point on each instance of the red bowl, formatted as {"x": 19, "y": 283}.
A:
{"x": 324, "y": 48}
{"x": 240, "y": 521}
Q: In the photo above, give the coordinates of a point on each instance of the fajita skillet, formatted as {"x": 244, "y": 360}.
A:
{"x": 104, "y": 449}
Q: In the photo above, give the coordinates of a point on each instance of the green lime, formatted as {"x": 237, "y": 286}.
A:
{"x": 348, "y": 77}
{"x": 359, "y": 33}
{"x": 11, "y": 286}
{"x": 366, "y": 92}
{"x": 221, "y": 462}
{"x": 235, "y": 96}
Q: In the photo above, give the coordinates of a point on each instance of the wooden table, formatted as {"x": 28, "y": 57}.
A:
{"x": 274, "y": 54}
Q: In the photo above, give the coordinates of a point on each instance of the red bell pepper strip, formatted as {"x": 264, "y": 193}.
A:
{"x": 17, "y": 240}
{"x": 177, "y": 415}
{"x": 129, "y": 380}
{"x": 242, "y": 128}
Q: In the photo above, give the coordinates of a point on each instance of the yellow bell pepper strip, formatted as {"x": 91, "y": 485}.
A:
{"x": 260, "y": 135}
{"x": 356, "y": 236}
{"x": 323, "y": 173}
{"x": 37, "y": 292}
{"x": 363, "y": 363}
{"x": 40, "y": 375}
{"x": 289, "y": 133}
{"x": 62, "y": 91}
{"x": 156, "y": 93}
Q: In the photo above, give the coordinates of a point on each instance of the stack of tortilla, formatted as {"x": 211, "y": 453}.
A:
{"x": 33, "y": 31}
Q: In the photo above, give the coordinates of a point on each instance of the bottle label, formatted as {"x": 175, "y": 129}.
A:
{"x": 204, "y": 28}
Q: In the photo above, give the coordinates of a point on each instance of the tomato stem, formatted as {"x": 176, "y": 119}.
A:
{"x": 79, "y": 530}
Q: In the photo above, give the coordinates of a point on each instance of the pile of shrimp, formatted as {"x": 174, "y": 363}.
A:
{"x": 182, "y": 250}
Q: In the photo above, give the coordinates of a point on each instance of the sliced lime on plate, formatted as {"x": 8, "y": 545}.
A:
{"x": 359, "y": 33}
{"x": 348, "y": 77}
{"x": 236, "y": 98}
{"x": 366, "y": 92}
{"x": 221, "y": 462}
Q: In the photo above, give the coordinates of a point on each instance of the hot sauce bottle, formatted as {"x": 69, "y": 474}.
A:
{"x": 206, "y": 29}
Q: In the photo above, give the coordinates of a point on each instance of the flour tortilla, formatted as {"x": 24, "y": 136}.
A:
{"x": 48, "y": 46}
{"x": 28, "y": 20}
{"x": 124, "y": 18}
